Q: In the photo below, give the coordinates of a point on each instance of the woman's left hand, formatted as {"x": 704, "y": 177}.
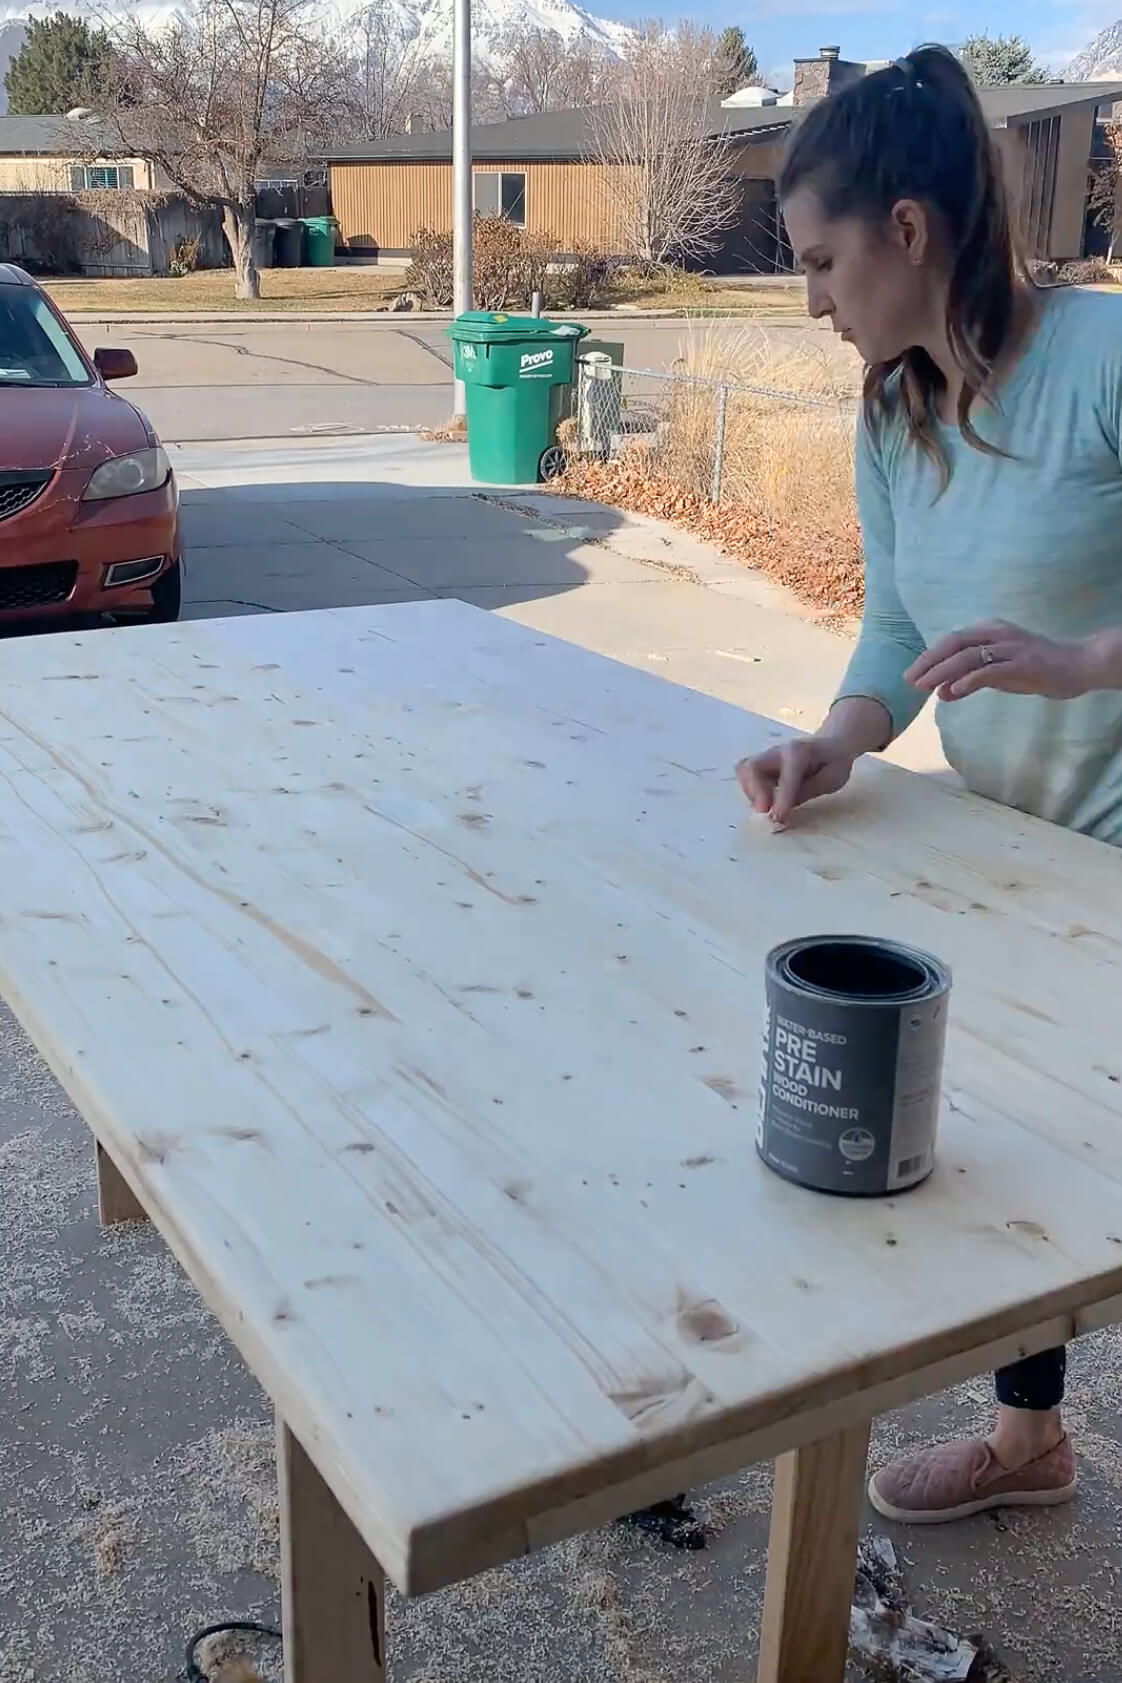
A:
{"x": 999, "y": 656}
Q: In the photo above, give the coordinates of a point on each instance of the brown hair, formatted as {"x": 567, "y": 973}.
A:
{"x": 915, "y": 130}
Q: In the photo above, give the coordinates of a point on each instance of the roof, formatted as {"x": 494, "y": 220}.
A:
{"x": 1022, "y": 102}
{"x": 551, "y": 136}
{"x": 560, "y": 136}
{"x": 52, "y": 136}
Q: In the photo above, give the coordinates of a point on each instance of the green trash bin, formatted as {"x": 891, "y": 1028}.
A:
{"x": 319, "y": 244}
{"x": 517, "y": 373}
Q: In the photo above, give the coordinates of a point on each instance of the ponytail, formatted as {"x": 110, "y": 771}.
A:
{"x": 916, "y": 130}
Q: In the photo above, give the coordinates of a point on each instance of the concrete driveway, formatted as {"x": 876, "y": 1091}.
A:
{"x": 137, "y": 1497}
{"x": 295, "y": 378}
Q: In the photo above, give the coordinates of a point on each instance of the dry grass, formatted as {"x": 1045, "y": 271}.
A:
{"x": 703, "y": 295}
{"x": 363, "y": 287}
{"x": 791, "y": 460}
{"x": 787, "y": 499}
{"x": 366, "y": 287}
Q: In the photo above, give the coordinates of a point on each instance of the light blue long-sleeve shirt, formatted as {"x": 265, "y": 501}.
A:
{"x": 1035, "y": 538}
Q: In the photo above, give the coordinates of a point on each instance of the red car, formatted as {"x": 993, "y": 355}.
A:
{"x": 89, "y": 510}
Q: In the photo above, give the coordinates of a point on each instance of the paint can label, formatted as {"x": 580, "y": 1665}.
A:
{"x": 915, "y": 1111}
{"x": 849, "y": 1087}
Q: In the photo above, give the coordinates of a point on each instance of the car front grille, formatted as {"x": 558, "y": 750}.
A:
{"x": 17, "y": 490}
{"x": 37, "y": 587}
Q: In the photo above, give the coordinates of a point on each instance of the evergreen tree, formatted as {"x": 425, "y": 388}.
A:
{"x": 993, "y": 60}
{"x": 736, "y": 65}
{"x": 62, "y": 63}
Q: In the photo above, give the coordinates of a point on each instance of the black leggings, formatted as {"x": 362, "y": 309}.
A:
{"x": 1037, "y": 1382}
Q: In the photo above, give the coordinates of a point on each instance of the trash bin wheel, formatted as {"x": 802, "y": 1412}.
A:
{"x": 552, "y": 464}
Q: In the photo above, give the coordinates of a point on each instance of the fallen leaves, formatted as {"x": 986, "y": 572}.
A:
{"x": 821, "y": 565}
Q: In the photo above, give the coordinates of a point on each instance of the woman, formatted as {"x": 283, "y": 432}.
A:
{"x": 989, "y": 486}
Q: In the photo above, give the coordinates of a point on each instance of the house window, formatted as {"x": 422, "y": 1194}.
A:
{"x": 85, "y": 178}
{"x": 500, "y": 194}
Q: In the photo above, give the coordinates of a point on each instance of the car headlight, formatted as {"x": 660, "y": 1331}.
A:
{"x": 127, "y": 476}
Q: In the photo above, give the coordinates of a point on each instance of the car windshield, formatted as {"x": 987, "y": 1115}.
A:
{"x": 35, "y": 348}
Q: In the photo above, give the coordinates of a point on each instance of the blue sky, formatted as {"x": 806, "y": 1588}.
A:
{"x": 780, "y": 30}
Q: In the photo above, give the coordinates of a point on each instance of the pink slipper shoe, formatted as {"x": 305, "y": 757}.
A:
{"x": 955, "y": 1480}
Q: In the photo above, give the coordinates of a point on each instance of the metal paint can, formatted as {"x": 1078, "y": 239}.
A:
{"x": 854, "y": 1031}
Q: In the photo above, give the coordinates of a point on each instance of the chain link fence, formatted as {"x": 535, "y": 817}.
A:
{"x": 720, "y": 440}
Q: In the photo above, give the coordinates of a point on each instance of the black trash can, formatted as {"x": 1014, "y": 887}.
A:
{"x": 264, "y": 238}
{"x": 288, "y": 249}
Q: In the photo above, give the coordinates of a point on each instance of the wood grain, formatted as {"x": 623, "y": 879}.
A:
{"x": 440, "y": 945}
{"x": 811, "y": 1560}
{"x": 116, "y": 1200}
{"x": 332, "y": 1589}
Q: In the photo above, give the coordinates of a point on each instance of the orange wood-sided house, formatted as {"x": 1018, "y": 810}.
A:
{"x": 539, "y": 171}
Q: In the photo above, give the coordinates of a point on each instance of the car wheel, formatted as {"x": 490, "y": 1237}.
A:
{"x": 167, "y": 598}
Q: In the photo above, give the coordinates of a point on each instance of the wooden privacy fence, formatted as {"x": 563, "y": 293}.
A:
{"x": 121, "y": 232}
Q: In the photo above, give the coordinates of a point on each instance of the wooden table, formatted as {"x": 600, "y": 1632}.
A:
{"x": 407, "y": 968}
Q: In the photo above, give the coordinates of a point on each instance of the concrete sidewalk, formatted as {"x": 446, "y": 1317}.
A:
{"x": 137, "y": 1494}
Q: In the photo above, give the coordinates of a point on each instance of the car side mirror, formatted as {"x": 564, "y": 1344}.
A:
{"x": 114, "y": 364}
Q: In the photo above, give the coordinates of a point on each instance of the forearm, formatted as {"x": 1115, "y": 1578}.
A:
{"x": 863, "y": 725}
{"x": 1104, "y": 660}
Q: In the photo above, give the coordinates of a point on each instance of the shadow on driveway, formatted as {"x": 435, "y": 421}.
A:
{"x": 274, "y": 548}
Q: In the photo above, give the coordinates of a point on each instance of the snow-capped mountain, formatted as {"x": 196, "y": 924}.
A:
{"x": 430, "y": 21}
{"x": 1100, "y": 60}
{"x": 492, "y": 20}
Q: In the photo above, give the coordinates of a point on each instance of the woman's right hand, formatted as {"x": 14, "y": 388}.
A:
{"x": 792, "y": 773}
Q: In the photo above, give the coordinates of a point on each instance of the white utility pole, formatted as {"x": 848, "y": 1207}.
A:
{"x": 462, "y": 206}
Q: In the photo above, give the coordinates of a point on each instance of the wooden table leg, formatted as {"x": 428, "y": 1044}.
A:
{"x": 333, "y": 1593}
{"x": 116, "y": 1200}
{"x": 811, "y": 1560}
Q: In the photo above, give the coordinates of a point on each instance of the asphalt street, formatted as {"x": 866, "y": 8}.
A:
{"x": 204, "y": 381}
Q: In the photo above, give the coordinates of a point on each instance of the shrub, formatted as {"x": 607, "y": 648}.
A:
{"x": 1082, "y": 271}
{"x": 429, "y": 275}
{"x": 510, "y": 266}
{"x": 580, "y": 279}
{"x": 183, "y": 258}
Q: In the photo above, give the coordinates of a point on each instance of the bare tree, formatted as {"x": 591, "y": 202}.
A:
{"x": 392, "y": 79}
{"x": 665, "y": 164}
{"x": 1105, "y": 197}
{"x": 220, "y": 93}
{"x": 434, "y": 103}
{"x": 539, "y": 71}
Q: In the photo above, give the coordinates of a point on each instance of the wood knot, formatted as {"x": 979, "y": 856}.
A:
{"x": 706, "y": 1322}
